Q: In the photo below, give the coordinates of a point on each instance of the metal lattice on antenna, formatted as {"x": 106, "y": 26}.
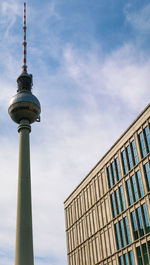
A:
{"x": 24, "y": 67}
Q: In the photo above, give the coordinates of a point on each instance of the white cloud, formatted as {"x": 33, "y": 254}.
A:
{"x": 96, "y": 97}
{"x": 139, "y": 18}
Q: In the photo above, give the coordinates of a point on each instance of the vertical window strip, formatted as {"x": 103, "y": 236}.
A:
{"x": 134, "y": 152}
{"x": 122, "y": 198}
{"x": 129, "y": 157}
{"x": 140, "y": 184}
{"x": 145, "y": 254}
{"x": 109, "y": 177}
{"x": 134, "y": 187}
{"x": 131, "y": 257}
{"x": 147, "y": 173}
{"x": 114, "y": 210}
{"x": 126, "y": 259}
{"x": 117, "y": 201}
{"x": 134, "y": 225}
{"x": 118, "y": 168}
{"x": 114, "y": 173}
{"x": 124, "y": 160}
{"x": 142, "y": 144}
{"x": 127, "y": 230}
{"x": 123, "y": 239}
{"x": 146, "y": 218}
{"x": 118, "y": 236}
{"x": 122, "y": 233}
{"x": 129, "y": 192}
{"x": 140, "y": 221}
{"x": 139, "y": 256}
{"x": 147, "y": 137}
{"x": 137, "y": 218}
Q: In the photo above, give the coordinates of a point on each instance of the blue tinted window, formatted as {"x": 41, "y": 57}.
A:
{"x": 147, "y": 172}
{"x": 126, "y": 259}
{"x": 109, "y": 177}
{"x": 125, "y": 165}
{"x": 117, "y": 236}
{"x": 146, "y": 218}
{"x": 129, "y": 192}
{"x": 129, "y": 157}
{"x": 142, "y": 144}
{"x": 131, "y": 258}
{"x": 123, "y": 239}
{"x": 133, "y": 148}
{"x": 118, "y": 202}
{"x": 134, "y": 224}
{"x": 121, "y": 260}
{"x": 122, "y": 198}
{"x": 114, "y": 173}
{"x": 134, "y": 187}
{"x": 127, "y": 230}
{"x": 122, "y": 226}
{"x": 118, "y": 168}
{"x": 139, "y": 182}
{"x": 113, "y": 205}
{"x": 147, "y": 136}
{"x": 140, "y": 222}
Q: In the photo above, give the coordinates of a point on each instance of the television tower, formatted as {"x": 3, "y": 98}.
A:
{"x": 24, "y": 109}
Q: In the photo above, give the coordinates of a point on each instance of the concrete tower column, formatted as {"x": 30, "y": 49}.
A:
{"x": 24, "y": 239}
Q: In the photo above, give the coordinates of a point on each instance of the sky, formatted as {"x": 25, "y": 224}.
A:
{"x": 90, "y": 62}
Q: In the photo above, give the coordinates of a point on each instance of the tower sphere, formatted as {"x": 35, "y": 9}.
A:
{"x": 24, "y": 105}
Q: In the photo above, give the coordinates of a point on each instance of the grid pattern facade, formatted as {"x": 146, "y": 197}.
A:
{"x": 108, "y": 214}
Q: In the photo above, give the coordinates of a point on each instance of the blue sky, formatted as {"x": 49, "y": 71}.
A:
{"x": 90, "y": 62}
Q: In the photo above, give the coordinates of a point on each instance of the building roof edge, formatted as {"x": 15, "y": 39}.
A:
{"x": 148, "y": 106}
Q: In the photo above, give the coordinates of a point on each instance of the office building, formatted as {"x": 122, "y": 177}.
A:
{"x": 108, "y": 214}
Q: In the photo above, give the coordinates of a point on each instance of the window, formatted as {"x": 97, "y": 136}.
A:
{"x": 129, "y": 157}
{"x": 124, "y": 160}
{"x": 142, "y": 251}
{"x": 147, "y": 173}
{"x": 117, "y": 201}
{"x": 134, "y": 188}
{"x": 137, "y": 217}
{"x": 122, "y": 233}
{"x": 113, "y": 173}
{"x": 126, "y": 259}
{"x": 134, "y": 153}
{"x": 147, "y": 137}
{"x": 142, "y": 144}
{"x": 146, "y": 218}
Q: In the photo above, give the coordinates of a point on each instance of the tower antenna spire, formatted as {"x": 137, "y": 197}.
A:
{"x": 24, "y": 67}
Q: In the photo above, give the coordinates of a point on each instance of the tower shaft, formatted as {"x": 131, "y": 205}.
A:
{"x": 24, "y": 238}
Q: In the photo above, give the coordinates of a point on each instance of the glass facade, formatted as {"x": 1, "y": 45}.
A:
{"x": 129, "y": 157}
{"x": 134, "y": 188}
{"x": 147, "y": 173}
{"x": 113, "y": 173}
{"x": 143, "y": 254}
{"x": 117, "y": 201}
{"x": 127, "y": 259}
{"x": 108, "y": 217}
{"x": 144, "y": 139}
{"x": 140, "y": 222}
{"x": 122, "y": 233}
